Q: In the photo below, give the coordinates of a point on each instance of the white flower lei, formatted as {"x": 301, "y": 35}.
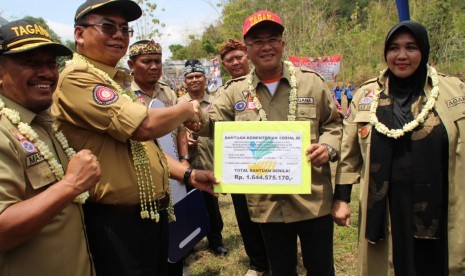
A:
{"x": 33, "y": 137}
{"x": 139, "y": 156}
{"x": 292, "y": 96}
{"x": 396, "y": 133}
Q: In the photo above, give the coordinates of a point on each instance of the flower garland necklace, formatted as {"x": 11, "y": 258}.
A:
{"x": 292, "y": 96}
{"x": 421, "y": 117}
{"x": 139, "y": 156}
{"x": 33, "y": 137}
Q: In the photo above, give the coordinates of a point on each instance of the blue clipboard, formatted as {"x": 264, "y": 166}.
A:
{"x": 192, "y": 223}
{"x": 190, "y": 227}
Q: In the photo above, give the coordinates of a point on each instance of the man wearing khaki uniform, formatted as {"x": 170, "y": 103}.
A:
{"x": 41, "y": 227}
{"x": 128, "y": 211}
{"x": 272, "y": 85}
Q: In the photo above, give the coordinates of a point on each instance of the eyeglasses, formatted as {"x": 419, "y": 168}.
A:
{"x": 192, "y": 77}
{"x": 259, "y": 43}
{"x": 111, "y": 29}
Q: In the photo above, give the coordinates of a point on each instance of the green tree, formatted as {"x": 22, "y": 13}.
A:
{"x": 42, "y": 22}
{"x": 178, "y": 52}
{"x": 445, "y": 35}
{"x": 147, "y": 27}
{"x": 55, "y": 37}
{"x": 354, "y": 29}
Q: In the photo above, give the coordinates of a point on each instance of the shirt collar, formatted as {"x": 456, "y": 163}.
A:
{"x": 206, "y": 98}
{"x": 286, "y": 75}
{"x": 27, "y": 116}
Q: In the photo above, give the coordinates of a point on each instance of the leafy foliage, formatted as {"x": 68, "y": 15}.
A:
{"x": 147, "y": 26}
{"x": 354, "y": 29}
{"x": 61, "y": 60}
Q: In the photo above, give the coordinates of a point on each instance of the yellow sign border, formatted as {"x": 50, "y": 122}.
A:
{"x": 262, "y": 127}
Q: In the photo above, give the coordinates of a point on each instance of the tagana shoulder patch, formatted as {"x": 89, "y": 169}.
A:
{"x": 104, "y": 95}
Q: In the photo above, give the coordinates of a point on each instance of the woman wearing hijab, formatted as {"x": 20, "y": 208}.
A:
{"x": 402, "y": 142}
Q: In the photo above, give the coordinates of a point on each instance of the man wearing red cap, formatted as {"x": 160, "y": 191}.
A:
{"x": 276, "y": 91}
{"x": 234, "y": 59}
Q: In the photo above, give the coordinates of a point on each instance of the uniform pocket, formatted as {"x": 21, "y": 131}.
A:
{"x": 308, "y": 113}
{"x": 246, "y": 115}
{"x": 362, "y": 117}
{"x": 40, "y": 175}
{"x": 459, "y": 119}
{"x": 305, "y": 112}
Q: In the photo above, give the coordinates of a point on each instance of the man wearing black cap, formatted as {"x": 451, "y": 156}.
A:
{"x": 41, "y": 222}
{"x": 128, "y": 211}
{"x": 277, "y": 91}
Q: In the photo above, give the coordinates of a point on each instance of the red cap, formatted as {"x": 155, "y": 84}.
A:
{"x": 259, "y": 18}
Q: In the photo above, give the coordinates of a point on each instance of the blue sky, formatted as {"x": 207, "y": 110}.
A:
{"x": 181, "y": 17}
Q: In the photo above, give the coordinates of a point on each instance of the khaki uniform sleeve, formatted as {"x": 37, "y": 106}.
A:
{"x": 222, "y": 110}
{"x": 223, "y": 105}
{"x": 351, "y": 162}
{"x": 330, "y": 127}
{"x": 75, "y": 101}
{"x": 11, "y": 174}
{"x": 326, "y": 121}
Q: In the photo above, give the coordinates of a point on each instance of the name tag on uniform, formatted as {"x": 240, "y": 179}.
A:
{"x": 305, "y": 100}
{"x": 455, "y": 101}
{"x": 33, "y": 159}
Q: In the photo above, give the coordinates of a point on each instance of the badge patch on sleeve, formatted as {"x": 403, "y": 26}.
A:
{"x": 18, "y": 135}
{"x": 366, "y": 100}
{"x": 245, "y": 93}
{"x": 104, "y": 95}
{"x": 240, "y": 106}
{"x": 208, "y": 107}
{"x": 28, "y": 146}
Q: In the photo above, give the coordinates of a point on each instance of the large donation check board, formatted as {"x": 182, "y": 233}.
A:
{"x": 262, "y": 157}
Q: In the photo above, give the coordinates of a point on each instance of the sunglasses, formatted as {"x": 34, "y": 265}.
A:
{"x": 111, "y": 29}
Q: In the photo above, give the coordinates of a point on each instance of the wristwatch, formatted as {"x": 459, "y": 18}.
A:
{"x": 331, "y": 152}
{"x": 187, "y": 176}
{"x": 185, "y": 157}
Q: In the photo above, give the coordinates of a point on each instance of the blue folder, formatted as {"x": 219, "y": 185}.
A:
{"x": 192, "y": 223}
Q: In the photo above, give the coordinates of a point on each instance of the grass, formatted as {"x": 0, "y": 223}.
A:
{"x": 203, "y": 262}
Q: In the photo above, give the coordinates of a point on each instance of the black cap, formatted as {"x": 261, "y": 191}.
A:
{"x": 130, "y": 9}
{"x": 25, "y": 35}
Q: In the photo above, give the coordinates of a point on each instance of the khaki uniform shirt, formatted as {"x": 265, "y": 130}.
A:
{"x": 162, "y": 92}
{"x": 376, "y": 259}
{"x": 93, "y": 115}
{"x": 314, "y": 104}
{"x": 60, "y": 248}
{"x": 203, "y": 154}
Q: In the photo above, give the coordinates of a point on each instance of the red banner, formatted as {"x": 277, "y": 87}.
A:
{"x": 327, "y": 66}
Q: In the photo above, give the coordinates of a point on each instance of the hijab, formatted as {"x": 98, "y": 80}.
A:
{"x": 405, "y": 91}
